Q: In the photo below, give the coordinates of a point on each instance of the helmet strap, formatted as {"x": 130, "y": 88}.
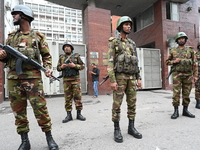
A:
{"x": 125, "y": 32}
{"x": 68, "y": 53}
{"x": 21, "y": 17}
{"x": 182, "y": 44}
{"x": 26, "y": 19}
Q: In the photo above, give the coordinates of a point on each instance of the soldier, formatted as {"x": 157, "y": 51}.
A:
{"x": 184, "y": 72}
{"x": 70, "y": 64}
{"x": 124, "y": 76}
{"x": 197, "y": 84}
{"x": 29, "y": 84}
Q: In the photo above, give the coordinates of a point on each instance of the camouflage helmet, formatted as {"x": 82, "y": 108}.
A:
{"x": 179, "y": 35}
{"x": 25, "y": 10}
{"x": 68, "y": 43}
{"x": 198, "y": 44}
{"x": 122, "y": 20}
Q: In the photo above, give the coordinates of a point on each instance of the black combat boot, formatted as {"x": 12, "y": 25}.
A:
{"x": 187, "y": 113}
{"x": 68, "y": 117}
{"x": 79, "y": 116}
{"x": 51, "y": 143}
{"x": 175, "y": 114}
{"x": 117, "y": 133}
{"x": 25, "y": 145}
{"x": 197, "y": 104}
{"x": 132, "y": 131}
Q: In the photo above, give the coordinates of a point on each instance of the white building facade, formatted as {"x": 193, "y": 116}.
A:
{"x": 56, "y": 22}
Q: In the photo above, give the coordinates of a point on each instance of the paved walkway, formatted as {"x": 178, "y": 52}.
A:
{"x": 96, "y": 133}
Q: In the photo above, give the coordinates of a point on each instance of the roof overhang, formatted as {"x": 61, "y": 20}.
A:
{"x": 117, "y": 7}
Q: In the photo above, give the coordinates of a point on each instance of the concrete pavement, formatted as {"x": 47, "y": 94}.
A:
{"x": 153, "y": 120}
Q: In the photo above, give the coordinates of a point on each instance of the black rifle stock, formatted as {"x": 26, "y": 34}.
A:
{"x": 104, "y": 79}
{"x": 22, "y": 58}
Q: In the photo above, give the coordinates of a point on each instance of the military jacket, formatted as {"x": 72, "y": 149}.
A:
{"x": 75, "y": 58}
{"x": 198, "y": 60}
{"x": 187, "y": 54}
{"x": 115, "y": 47}
{"x": 33, "y": 45}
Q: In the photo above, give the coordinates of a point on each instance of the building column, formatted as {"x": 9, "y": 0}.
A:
{"x": 97, "y": 30}
{"x": 2, "y": 95}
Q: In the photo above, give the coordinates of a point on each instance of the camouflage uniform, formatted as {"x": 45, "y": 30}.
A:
{"x": 182, "y": 80}
{"x": 28, "y": 85}
{"x": 126, "y": 82}
{"x": 71, "y": 84}
{"x": 197, "y": 84}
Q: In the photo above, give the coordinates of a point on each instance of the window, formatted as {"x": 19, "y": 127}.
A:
{"x": 67, "y": 29}
{"x": 79, "y": 21}
{"x": 73, "y": 28}
{"x": 79, "y": 29}
{"x": 68, "y": 20}
{"x": 62, "y": 36}
{"x": 68, "y": 36}
{"x": 73, "y": 37}
{"x": 48, "y": 8}
{"x": 34, "y": 6}
{"x": 172, "y": 11}
{"x": 73, "y": 20}
{"x": 144, "y": 19}
{"x": 49, "y": 35}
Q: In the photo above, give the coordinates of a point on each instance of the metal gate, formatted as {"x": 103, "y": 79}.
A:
{"x": 150, "y": 67}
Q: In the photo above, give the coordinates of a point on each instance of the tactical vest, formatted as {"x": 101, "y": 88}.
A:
{"x": 68, "y": 72}
{"x": 31, "y": 49}
{"x": 186, "y": 63}
{"x": 125, "y": 63}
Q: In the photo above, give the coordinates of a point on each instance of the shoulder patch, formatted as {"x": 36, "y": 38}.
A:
{"x": 62, "y": 55}
{"x": 76, "y": 54}
{"x": 111, "y": 38}
{"x": 191, "y": 47}
{"x": 11, "y": 33}
{"x": 131, "y": 41}
{"x": 39, "y": 34}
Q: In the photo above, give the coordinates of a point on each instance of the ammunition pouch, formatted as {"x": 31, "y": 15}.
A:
{"x": 126, "y": 64}
{"x": 185, "y": 65}
{"x": 68, "y": 72}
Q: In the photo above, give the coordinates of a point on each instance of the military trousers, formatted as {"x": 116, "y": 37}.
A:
{"x": 127, "y": 86}
{"x": 181, "y": 83}
{"x": 197, "y": 88}
{"x": 21, "y": 90}
{"x": 72, "y": 91}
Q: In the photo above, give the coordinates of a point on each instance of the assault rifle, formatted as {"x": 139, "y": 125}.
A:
{"x": 22, "y": 58}
{"x": 170, "y": 72}
{"x": 104, "y": 79}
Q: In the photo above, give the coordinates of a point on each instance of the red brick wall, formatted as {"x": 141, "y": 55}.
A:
{"x": 97, "y": 29}
{"x": 114, "y": 24}
{"x": 1, "y": 41}
{"x": 158, "y": 31}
